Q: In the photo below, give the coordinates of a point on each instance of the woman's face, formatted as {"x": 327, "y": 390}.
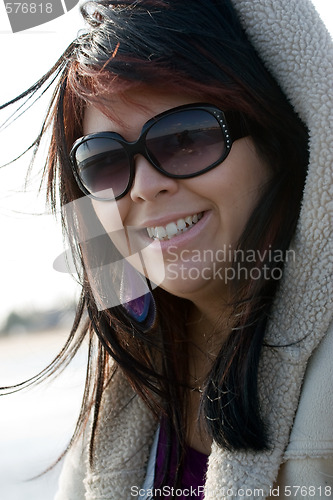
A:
{"x": 213, "y": 207}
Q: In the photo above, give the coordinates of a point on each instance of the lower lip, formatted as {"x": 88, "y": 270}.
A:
{"x": 183, "y": 239}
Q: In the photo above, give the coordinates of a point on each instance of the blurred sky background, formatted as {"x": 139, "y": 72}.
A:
{"x": 30, "y": 239}
{"x": 30, "y": 242}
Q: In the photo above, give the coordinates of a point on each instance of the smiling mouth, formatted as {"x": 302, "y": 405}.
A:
{"x": 162, "y": 233}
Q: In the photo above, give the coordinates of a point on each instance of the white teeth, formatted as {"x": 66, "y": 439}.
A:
{"x": 170, "y": 230}
{"x": 160, "y": 232}
{"x": 181, "y": 224}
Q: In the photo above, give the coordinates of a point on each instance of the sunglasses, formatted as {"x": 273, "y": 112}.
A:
{"x": 181, "y": 143}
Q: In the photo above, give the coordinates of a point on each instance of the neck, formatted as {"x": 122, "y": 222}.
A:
{"x": 206, "y": 332}
{"x": 209, "y": 324}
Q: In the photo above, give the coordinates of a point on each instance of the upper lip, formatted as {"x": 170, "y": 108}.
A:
{"x": 163, "y": 221}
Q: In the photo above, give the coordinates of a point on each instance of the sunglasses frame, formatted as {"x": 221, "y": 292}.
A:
{"x": 139, "y": 147}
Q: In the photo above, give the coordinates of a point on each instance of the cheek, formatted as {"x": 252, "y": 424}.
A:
{"x": 235, "y": 187}
{"x": 242, "y": 191}
{"x": 246, "y": 190}
{"x": 111, "y": 215}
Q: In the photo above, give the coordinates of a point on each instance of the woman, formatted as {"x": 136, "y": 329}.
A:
{"x": 209, "y": 160}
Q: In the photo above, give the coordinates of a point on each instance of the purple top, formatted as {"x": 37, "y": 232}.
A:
{"x": 195, "y": 468}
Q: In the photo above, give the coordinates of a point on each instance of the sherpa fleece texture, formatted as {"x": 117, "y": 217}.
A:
{"x": 292, "y": 40}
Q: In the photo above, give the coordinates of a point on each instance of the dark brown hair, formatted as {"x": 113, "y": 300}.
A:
{"x": 203, "y": 48}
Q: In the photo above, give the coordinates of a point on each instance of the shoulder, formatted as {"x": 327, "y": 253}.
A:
{"x": 308, "y": 459}
{"x": 305, "y": 478}
{"x": 312, "y": 432}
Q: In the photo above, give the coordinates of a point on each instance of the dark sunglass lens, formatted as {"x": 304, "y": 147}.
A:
{"x": 103, "y": 167}
{"x": 186, "y": 142}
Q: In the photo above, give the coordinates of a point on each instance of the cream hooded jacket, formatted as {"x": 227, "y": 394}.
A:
{"x": 296, "y": 381}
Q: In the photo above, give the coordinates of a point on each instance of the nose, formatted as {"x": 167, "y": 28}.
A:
{"x": 149, "y": 183}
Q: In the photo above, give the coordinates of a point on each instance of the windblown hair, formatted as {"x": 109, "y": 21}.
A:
{"x": 202, "y": 48}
